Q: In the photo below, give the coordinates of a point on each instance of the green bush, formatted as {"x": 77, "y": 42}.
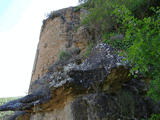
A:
{"x": 155, "y": 117}
{"x": 124, "y": 17}
{"x": 101, "y": 18}
{"x": 114, "y": 39}
{"x": 139, "y": 8}
{"x": 142, "y": 41}
{"x": 68, "y": 53}
{"x": 63, "y": 55}
{"x": 140, "y": 26}
{"x": 88, "y": 50}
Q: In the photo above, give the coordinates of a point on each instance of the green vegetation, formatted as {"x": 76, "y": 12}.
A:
{"x": 141, "y": 44}
{"x": 3, "y": 115}
{"x": 88, "y": 50}
{"x": 139, "y": 22}
{"x": 101, "y": 17}
{"x": 68, "y": 53}
{"x": 63, "y": 55}
{"x": 155, "y": 117}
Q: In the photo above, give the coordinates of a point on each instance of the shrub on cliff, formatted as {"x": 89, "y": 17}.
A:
{"x": 140, "y": 26}
{"x": 100, "y": 15}
{"x": 68, "y": 53}
{"x": 140, "y": 8}
{"x": 155, "y": 117}
{"x": 141, "y": 43}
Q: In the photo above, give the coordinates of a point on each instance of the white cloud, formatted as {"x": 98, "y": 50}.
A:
{"x": 18, "y": 46}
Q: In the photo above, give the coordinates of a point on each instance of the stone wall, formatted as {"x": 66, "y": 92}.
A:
{"x": 59, "y": 32}
{"x": 96, "y": 88}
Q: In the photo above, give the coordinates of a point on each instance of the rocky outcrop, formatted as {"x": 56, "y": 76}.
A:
{"x": 71, "y": 88}
{"x": 59, "y": 32}
{"x": 98, "y": 88}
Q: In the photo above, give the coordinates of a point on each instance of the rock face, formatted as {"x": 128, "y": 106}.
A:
{"x": 97, "y": 89}
{"x": 58, "y": 33}
{"x": 70, "y": 88}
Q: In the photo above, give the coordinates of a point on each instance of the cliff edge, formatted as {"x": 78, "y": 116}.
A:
{"x": 67, "y": 86}
{"x": 59, "y": 33}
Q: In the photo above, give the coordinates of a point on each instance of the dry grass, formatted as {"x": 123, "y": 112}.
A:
{"x": 4, "y": 115}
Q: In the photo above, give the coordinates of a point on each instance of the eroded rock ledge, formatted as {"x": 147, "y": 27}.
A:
{"x": 60, "y": 32}
{"x": 98, "y": 88}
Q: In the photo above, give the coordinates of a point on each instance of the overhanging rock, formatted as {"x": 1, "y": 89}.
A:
{"x": 102, "y": 71}
{"x": 70, "y": 91}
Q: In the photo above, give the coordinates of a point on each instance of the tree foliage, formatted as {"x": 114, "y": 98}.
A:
{"x": 139, "y": 22}
{"x": 142, "y": 40}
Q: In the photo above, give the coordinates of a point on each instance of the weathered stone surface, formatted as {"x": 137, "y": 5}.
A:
{"x": 21, "y": 115}
{"x": 123, "y": 105}
{"x": 25, "y": 103}
{"x": 58, "y": 114}
{"x": 97, "y": 88}
{"x": 58, "y": 33}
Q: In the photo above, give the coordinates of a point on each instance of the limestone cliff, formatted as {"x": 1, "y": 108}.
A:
{"x": 72, "y": 88}
{"x": 58, "y": 33}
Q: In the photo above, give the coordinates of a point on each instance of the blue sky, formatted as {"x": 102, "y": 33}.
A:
{"x": 11, "y": 12}
{"x": 20, "y": 24}
{"x": 4, "y": 5}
